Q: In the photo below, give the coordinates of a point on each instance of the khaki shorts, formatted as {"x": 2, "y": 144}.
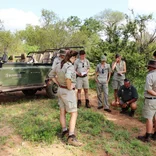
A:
{"x": 67, "y": 99}
{"x": 82, "y": 82}
{"x": 116, "y": 84}
{"x": 149, "y": 109}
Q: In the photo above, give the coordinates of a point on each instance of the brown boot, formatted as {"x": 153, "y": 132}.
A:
{"x": 78, "y": 103}
{"x": 65, "y": 133}
{"x": 87, "y": 103}
{"x": 146, "y": 138}
{"x": 73, "y": 141}
{"x": 154, "y": 136}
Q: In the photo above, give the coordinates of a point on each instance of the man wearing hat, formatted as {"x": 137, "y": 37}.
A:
{"x": 102, "y": 77}
{"x": 119, "y": 70}
{"x": 82, "y": 67}
{"x": 57, "y": 60}
{"x": 127, "y": 97}
{"x": 149, "y": 108}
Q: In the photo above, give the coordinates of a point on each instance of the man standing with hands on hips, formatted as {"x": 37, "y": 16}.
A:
{"x": 82, "y": 66}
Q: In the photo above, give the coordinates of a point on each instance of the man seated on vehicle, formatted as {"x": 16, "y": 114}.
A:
{"x": 57, "y": 60}
{"x": 11, "y": 58}
{"x": 127, "y": 97}
{"x": 23, "y": 58}
{"x": 5, "y": 57}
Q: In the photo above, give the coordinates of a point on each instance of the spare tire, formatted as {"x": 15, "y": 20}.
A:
{"x": 29, "y": 92}
{"x": 51, "y": 89}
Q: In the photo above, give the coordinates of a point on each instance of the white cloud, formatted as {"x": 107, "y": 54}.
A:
{"x": 17, "y": 19}
{"x": 142, "y": 6}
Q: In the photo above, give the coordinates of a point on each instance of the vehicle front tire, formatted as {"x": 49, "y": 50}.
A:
{"x": 51, "y": 89}
{"x": 29, "y": 92}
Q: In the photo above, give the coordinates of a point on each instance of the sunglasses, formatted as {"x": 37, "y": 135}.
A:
{"x": 102, "y": 71}
{"x": 82, "y": 65}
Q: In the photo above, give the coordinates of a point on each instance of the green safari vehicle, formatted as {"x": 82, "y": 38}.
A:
{"x": 29, "y": 76}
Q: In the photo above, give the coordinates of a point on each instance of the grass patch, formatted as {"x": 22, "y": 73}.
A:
{"x": 38, "y": 121}
{"x": 38, "y": 124}
{"x": 92, "y": 84}
{"x": 104, "y": 134}
{"x": 3, "y": 140}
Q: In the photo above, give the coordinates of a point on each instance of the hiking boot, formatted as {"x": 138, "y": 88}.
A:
{"x": 108, "y": 110}
{"x": 124, "y": 110}
{"x": 65, "y": 133}
{"x": 146, "y": 138}
{"x": 87, "y": 103}
{"x": 154, "y": 136}
{"x": 73, "y": 141}
{"x": 78, "y": 103}
{"x": 100, "y": 107}
{"x": 131, "y": 113}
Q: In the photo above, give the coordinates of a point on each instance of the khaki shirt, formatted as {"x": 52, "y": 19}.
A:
{"x": 67, "y": 72}
{"x": 81, "y": 65}
{"x": 57, "y": 60}
{"x": 150, "y": 83}
{"x": 103, "y": 72}
{"x": 119, "y": 67}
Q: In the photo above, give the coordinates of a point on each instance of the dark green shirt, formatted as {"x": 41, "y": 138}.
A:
{"x": 126, "y": 94}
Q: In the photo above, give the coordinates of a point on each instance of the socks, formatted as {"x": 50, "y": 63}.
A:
{"x": 64, "y": 129}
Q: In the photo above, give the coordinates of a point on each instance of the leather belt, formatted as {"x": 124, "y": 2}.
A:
{"x": 82, "y": 76}
{"x": 151, "y": 98}
{"x": 65, "y": 87}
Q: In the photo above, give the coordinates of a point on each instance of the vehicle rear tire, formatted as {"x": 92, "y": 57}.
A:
{"x": 51, "y": 89}
{"x": 29, "y": 92}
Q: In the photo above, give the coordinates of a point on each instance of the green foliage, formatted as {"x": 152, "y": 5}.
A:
{"x": 3, "y": 140}
{"x": 36, "y": 125}
{"x": 92, "y": 84}
{"x": 90, "y": 122}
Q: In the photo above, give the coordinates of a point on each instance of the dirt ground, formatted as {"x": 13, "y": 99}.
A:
{"x": 16, "y": 146}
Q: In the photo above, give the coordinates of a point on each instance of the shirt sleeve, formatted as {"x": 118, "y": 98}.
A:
{"x": 97, "y": 68}
{"x": 135, "y": 93}
{"x": 88, "y": 64}
{"x": 119, "y": 92}
{"x": 54, "y": 63}
{"x": 70, "y": 70}
{"x": 109, "y": 68}
{"x": 75, "y": 65}
{"x": 148, "y": 84}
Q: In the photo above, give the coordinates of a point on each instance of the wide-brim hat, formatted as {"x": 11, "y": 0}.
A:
{"x": 103, "y": 58}
{"x": 152, "y": 63}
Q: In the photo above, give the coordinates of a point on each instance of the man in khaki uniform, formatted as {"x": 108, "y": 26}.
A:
{"x": 102, "y": 77}
{"x": 57, "y": 60}
{"x": 149, "y": 109}
{"x": 119, "y": 69}
{"x": 82, "y": 66}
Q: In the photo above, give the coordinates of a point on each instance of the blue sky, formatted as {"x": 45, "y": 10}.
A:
{"x": 17, "y": 13}
{"x": 66, "y": 8}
